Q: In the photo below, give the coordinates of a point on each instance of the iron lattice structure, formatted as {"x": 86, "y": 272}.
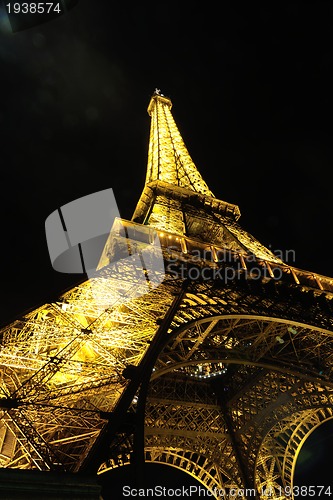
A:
{"x": 223, "y": 370}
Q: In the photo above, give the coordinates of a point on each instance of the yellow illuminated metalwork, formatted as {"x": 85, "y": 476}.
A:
{"x": 168, "y": 158}
{"x": 268, "y": 343}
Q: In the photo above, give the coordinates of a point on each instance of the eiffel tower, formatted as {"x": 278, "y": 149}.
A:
{"x": 222, "y": 370}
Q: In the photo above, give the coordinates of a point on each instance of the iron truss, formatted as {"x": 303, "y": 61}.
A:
{"x": 222, "y": 370}
{"x": 61, "y": 370}
{"x": 239, "y": 384}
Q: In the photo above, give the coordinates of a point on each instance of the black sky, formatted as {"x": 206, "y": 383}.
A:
{"x": 251, "y": 85}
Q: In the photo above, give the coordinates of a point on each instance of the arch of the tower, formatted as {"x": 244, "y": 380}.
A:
{"x": 184, "y": 426}
{"x": 197, "y": 466}
{"x": 223, "y": 392}
{"x": 241, "y": 382}
{"x": 241, "y": 392}
{"x": 286, "y": 439}
{"x": 213, "y": 461}
{"x": 192, "y": 463}
{"x": 213, "y": 343}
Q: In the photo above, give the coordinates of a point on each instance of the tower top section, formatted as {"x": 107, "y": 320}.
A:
{"x": 168, "y": 158}
{"x": 161, "y": 98}
{"x": 176, "y": 200}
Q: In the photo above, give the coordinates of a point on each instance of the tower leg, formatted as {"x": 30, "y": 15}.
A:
{"x": 139, "y": 377}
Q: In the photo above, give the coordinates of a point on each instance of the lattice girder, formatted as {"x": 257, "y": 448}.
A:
{"x": 275, "y": 472}
{"x": 183, "y": 414}
{"x": 62, "y": 368}
{"x": 168, "y": 157}
{"x": 244, "y": 368}
{"x": 251, "y": 356}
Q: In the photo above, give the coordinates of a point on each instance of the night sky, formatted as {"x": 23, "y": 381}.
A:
{"x": 251, "y": 86}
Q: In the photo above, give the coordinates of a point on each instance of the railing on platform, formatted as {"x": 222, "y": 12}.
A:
{"x": 179, "y": 249}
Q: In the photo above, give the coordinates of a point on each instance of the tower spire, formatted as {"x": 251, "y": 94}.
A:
{"x": 168, "y": 158}
{"x": 177, "y": 200}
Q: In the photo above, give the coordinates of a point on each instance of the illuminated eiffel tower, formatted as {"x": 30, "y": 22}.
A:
{"x": 223, "y": 370}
